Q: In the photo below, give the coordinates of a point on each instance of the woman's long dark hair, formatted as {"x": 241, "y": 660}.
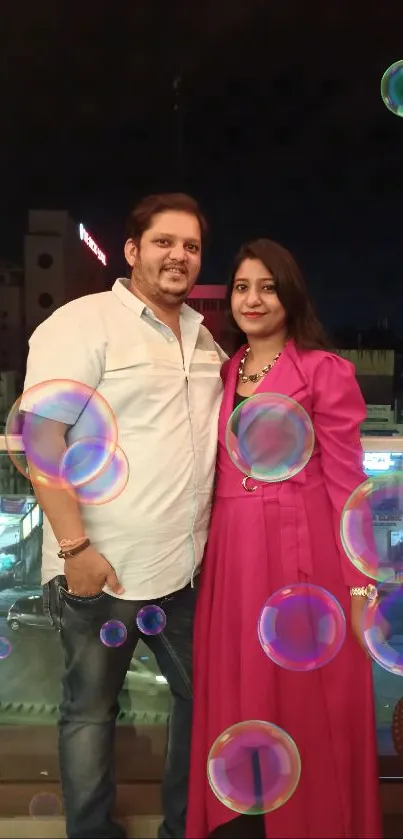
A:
{"x": 303, "y": 324}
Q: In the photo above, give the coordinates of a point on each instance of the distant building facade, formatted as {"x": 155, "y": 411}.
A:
{"x": 62, "y": 261}
{"x": 209, "y": 300}
{"x": 12, "y": 321}
{"x": 375, "y": 374}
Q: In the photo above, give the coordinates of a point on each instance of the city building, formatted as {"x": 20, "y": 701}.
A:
{"x": 209, "y": 300}
{"x": 10, "y": 390}
{"x": 12, "y": 325}
{"x": 375, "y": 373}
{"x": 62, "y": 261}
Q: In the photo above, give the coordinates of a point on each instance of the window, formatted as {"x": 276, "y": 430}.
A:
{"x": 26, "y": 526}
{"x": 388, "y": 533}
{"x": 30, "y": 675}
{"x": 31, "y": 671}
{"x": 35, "y": 516}
{"x": 45, "y": 261}
{"x": 45, "y": 300}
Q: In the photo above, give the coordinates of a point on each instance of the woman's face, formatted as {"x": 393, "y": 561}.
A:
{"x": 254, "y": 302}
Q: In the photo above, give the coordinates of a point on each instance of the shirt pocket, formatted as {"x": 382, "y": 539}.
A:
{"x": 124, "y": 362}
{"x": 205, "y": 363}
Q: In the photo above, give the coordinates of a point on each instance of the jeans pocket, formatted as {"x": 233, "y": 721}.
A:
{"x": 78, "y": 599}
{"x": 51, "y": 602}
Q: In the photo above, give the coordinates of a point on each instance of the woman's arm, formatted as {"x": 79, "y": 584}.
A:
{"x": 339, "y": 410}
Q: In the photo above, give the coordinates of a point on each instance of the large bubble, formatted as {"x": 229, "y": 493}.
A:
{"x": 382, "y": 624}
{"x": 85, "y": 460}
{"x": 60, "y": 400}
{"x": 375, "y": 503}
{"x": 253, "y": 767}
{"x": 392, "y": 88}
{"x": 301, "y": 627}
{"x": 270, "y": 437}
{"x": 110, "y": 482}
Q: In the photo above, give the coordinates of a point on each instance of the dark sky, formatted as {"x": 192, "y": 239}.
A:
{"x": 284, "y": 130}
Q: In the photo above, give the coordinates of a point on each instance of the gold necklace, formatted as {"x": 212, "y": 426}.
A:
{"x": 254, "y": 377}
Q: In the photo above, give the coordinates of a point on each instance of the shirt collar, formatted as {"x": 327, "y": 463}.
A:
{"x": 122, "y": 291}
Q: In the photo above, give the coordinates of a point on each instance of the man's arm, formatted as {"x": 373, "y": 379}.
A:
{"x": 62, "y": 348}
{"x": 88, "y": 572}
{"x": 59, "y": 505}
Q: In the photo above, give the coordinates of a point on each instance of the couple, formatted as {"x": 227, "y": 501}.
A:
{"x": 172, "y": 390}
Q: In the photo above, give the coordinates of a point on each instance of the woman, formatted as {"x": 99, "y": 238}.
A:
{"x": 267, "y": 535}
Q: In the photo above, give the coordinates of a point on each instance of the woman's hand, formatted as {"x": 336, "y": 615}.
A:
{"x": 356, "y": 613}
{"x": 356, "y": 617}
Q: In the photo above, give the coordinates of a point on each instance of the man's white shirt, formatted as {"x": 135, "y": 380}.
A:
{"x": 166, "y": 406}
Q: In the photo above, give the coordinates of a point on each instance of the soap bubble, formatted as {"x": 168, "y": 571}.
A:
{"x": 270, "y": 437}
{"x": 113, "y": 633}
{"x": 392, "y": 88}
{"x": 301, "y": 627}
{"x": 151, "y": 620}
{"x": 253, "y": 767}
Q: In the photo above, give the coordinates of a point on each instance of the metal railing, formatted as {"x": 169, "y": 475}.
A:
{"x": 369, "y": 444}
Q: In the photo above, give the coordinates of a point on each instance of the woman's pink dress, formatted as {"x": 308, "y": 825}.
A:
{"x": 260, "y": 541}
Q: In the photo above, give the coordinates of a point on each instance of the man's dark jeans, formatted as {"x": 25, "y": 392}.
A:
{"x": 93, "y": 677}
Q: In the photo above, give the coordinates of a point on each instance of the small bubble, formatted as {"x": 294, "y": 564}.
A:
{"x": 45, "y": 805}
{"x": 113, "y": 633}
{"x": 5, "y": 648}
{"x": 151, "y": 620}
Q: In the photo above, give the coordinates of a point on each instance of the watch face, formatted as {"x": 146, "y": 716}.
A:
{"x": 372, "y": 592}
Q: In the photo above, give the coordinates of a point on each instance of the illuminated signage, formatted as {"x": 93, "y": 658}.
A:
{"x": 378, "y": 461}
{"x": 85, "y": 237}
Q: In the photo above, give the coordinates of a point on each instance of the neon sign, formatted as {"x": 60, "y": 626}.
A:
{"x": 85, "y": 237}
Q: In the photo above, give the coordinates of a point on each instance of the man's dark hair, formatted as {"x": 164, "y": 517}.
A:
{"x": 141, "y": 216}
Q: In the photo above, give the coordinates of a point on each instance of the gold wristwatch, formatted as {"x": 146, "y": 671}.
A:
{"x": 369, "y": 591}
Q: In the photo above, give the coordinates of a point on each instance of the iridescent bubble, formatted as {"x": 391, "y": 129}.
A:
{"x": 5, "y": 648}
{"x": 107, "y": 485}
{"x": 60, "y": 400}
{"x": 382, "y": 624}
{"x": 270, "y": 437}
{"x": 377, "y": 501}
{"x": 253, "y": 767}
{"x": 301, "y": 627}
{"x": 113, "y": 633}
{"x": 392, "y": 88}
{"x": 45, "y": 805}
{"x": 86, "y": 460}
{"x": 151, "y": 620}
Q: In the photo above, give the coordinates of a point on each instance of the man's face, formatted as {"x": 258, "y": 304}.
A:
{"x": 166, "y": 263}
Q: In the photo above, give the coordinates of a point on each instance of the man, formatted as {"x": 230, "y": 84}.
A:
{"x": 149, "y": 356}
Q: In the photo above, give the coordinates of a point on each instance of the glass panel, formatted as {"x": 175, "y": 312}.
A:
{"x": 388, "y": 528}
{"x": 31, "y": 660}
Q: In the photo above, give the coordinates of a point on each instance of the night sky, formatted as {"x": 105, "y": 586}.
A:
{"x": 279, "y": 130}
